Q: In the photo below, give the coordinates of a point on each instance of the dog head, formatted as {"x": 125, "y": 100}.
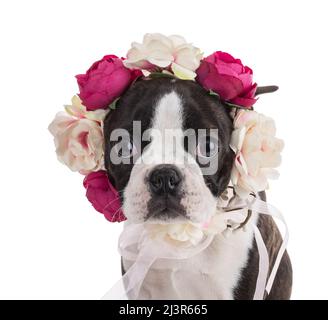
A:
{"x": 167, "y": 151}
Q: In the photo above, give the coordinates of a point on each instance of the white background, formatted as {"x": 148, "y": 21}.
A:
{"x": 53, "y": 244}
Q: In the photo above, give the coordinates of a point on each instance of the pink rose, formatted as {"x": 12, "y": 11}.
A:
{"x": 79, "y": 142}
{"x": 228, "y": 77}
{"x": 103, "y": 196}
{"x": 104, "y": 82}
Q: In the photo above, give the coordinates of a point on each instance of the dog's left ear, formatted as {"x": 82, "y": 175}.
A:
{"x": 265, "y": 89}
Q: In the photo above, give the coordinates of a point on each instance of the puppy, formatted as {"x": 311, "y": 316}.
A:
{"x": 165, "y": 188}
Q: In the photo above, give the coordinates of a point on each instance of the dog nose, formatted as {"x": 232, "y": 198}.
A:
{"x": 164, "y": 179}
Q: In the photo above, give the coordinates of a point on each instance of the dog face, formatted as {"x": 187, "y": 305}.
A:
{"x": 167, "y": 145}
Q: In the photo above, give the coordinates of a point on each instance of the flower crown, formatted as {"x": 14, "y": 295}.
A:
{"x": 78, "y": 132}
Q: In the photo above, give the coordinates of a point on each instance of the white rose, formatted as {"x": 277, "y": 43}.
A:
{"x": 79, "y": 139}
{"x": 185, "y": 234}
{"x": 257, "y": 152}
{"x": 171, "y": 53}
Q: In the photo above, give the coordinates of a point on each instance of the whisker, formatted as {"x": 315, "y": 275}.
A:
{"x": 116, "y": 213}
{"x": 113, "y": 200}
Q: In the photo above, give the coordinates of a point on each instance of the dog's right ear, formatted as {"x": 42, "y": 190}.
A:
{"x": 265, "y": 89}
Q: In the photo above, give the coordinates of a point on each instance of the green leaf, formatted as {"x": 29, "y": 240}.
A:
{"x": 212, "y": 93}
{"x": 232, "y": 105}
{"x": 155, "y": 75}
{"x": 228, "y": 104}
{"x": 112, "y": 106}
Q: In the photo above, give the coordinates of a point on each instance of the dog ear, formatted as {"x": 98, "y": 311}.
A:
{"x": 265, "y": 89}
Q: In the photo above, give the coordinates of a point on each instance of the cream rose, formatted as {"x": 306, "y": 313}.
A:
{"x": 257, "y": 152}
{"x": 189, "y": 233}
{"x": 184, "y": 234}
{"x": 79, "y": 138}
{"x": 171, "y": 53}
{"x": 78, "y": 110}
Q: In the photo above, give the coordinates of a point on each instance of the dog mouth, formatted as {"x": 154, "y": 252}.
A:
{"x": 165, "y": 210}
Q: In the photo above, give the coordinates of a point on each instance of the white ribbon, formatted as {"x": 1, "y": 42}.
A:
{"x": 149, "y": 250}
{"x": 136, "y": 245}
{"x": 263, "y": 265}
{"x": 264, "y": 208}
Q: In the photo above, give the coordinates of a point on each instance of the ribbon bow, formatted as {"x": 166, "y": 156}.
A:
{"x": 136, "y": 245}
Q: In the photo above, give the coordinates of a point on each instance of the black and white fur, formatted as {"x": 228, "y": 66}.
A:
{"x": 227, "y": 269}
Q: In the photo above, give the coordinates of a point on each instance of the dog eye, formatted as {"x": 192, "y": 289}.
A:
{"x": 208, "y": 148}
{"x": 125, "y": 149}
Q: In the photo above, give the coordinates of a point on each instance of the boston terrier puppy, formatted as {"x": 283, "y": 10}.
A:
{"x": 165, "y": 189}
